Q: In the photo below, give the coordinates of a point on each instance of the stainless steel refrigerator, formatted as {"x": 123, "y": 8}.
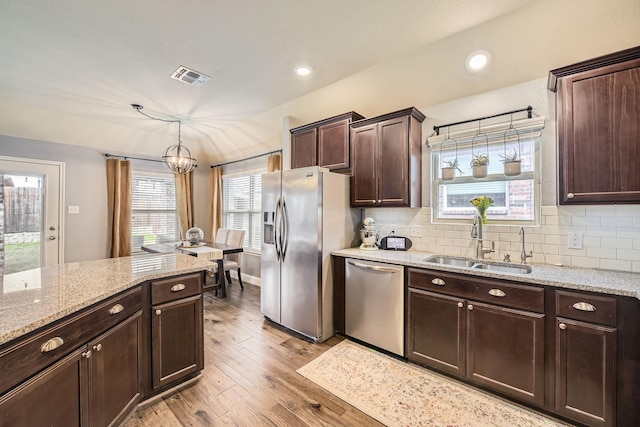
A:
{"x": 305, "y": 215}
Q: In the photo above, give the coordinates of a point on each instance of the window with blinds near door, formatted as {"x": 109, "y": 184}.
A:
{"x": 154, "y": 215}
{"x": 241, "y": 206}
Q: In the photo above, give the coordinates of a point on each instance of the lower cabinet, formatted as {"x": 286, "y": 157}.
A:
{"x": 497, "y": 347}
{"x": 96, "y": 385}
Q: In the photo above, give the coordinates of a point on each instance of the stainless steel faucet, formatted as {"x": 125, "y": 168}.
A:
{"x": 476, "y": 233}
{"x": 523, "y": 254}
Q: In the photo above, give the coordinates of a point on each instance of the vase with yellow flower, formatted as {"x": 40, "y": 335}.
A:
{"x": 482, "y": 203}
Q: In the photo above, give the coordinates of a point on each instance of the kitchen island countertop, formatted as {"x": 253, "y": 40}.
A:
{"x": 584, "y": 279}
{"x": 34, "y": 298}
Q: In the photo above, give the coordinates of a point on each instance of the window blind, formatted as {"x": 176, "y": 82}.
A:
{"x": 241, "y": 204}
{"x": 154, "y": 216}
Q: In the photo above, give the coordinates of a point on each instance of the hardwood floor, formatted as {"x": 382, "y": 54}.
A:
{"x": 250, "y": 375}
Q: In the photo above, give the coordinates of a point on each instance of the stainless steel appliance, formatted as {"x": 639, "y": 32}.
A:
{"x": 374, "y": 304}
{"x": 305, "y": 215}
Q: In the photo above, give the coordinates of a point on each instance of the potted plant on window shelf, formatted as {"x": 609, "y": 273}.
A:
{"x": 449, "y": 171}
{"x": 479, "y": 165}
{"x": 512, "y": 165}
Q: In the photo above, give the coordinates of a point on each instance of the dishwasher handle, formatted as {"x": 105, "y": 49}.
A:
{"x": 377, "y": 268}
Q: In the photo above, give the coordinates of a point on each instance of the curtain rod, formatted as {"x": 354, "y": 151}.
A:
{"x": 248, "y": 158}
{"x": 529, "y": 109}
{"x": 135, "y": 158}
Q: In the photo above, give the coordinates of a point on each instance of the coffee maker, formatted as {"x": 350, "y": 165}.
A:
{"x": 369, "y": 235}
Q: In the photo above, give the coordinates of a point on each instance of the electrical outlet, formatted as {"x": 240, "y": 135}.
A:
{"x": 73, "y": 209}
{"x": 415, "y": 230}
{"x": 574, "y": 240}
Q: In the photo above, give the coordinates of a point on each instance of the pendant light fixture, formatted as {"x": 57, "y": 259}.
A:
{"x": 177, "y": 157}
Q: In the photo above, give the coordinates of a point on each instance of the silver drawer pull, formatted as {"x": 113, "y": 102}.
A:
{"x": 51, "y": 345}
{"x": 497, "y": 293}
{"x": 584, "y": 306}
{"x": 438, "y": 281}
{"x": 177, "y": 288}
{"x": 118, "y": 308}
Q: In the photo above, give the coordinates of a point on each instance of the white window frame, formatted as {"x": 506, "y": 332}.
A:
{"x": 252, "y": 211}
{"x": 137, "y": 250}
{"x": 528, "y": 129}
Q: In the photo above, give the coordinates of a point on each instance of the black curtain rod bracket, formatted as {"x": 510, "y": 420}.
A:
{"x": 529, "y": 111}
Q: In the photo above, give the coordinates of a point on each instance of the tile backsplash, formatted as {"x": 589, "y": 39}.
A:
{"x": 611, "y": 235}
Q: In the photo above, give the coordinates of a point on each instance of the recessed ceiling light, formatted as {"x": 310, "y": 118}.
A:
{"x": 478, "y": 60}
{"x": 303, "y": 70}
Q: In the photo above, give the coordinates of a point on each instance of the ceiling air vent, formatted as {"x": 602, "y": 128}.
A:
{"x": 188, "y": 76}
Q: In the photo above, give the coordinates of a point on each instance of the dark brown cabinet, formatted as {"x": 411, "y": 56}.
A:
{"x": 585, "y": 380}
{"x": 598, "y": 116}
{"x": 324, "y": 143}
{"x": 497, "y": 345}
{"x": 386, "y": 160}
{"x": 177, "y": 347}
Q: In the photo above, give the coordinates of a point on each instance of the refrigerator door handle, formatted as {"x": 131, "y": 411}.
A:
{"x": 285, "y": 223}
{"x": 276, "y": 232}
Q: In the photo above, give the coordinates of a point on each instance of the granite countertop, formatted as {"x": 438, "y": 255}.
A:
{"x": 35, "y": 298}
{"x": 584, "y": 279}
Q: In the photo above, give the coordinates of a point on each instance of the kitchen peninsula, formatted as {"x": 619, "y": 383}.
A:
{"x": 83, "y": 343}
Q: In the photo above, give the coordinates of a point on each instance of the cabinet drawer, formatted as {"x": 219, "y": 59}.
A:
{"x": 174, "y": 288}
{"x": 497, "y": 292}
{"x": 586, "y": 307}
{"x": 20, "y": 361}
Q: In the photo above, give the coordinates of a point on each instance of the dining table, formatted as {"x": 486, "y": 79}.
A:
{"x": 211, "y": 250}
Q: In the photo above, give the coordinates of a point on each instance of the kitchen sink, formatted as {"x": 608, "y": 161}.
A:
{"x": 450, "y": 260}
{"x": 455, "y": 261}
{"x": 519, "y": 269}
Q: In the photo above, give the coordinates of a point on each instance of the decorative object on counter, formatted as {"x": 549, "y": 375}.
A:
{"x": 369, "y": 234}
{"x": 449, "y": 171}
{"x": 512, "y": 162}
{"x": 395, "y": 243}
{"x": 482, "y": 203}
{"x": 194, "y": 235}
{"x": 177, "y": 157}
{"x": 480, "y": 162}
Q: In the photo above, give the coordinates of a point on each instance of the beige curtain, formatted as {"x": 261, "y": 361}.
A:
{"x": 274, "y": 162}
{"x": 215, "y": 201}
{"x": 184, "y": 196}
{"x": 119, "y": 205}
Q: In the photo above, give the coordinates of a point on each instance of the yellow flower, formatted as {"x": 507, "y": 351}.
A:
{"x": 482, "y": 202}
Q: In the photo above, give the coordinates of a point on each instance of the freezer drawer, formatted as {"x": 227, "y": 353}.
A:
{"x": 374, "y": 304}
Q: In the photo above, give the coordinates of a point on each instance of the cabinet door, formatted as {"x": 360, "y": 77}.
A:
{"x": 364, "y": 182}
{"x": 177, "y": 347}
{"x": 585, "y": 372}
{"x": 333, "y": 145}
{"x": 114, "y": 367}
{"x": 54, "y": 397}
{"x": 393, "y": 157}
{"x": 436, "y": 331}
{"x": 304, "y": 149}
{"x": 599, "y": 135}
{"x": 506, "y": 351}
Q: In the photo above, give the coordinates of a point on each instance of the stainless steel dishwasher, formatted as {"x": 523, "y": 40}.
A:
{"x": 374, "y": 304}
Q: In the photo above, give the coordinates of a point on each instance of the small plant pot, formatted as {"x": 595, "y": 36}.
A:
{"x": 448, "y": 174}
{"x": 512, "y": 168}
{"x": 479, "y": 171}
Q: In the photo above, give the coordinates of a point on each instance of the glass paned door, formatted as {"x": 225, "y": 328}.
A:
{"x": 30, "y": 200}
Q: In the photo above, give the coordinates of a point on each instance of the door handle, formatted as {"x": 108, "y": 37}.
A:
{"x": 285, "y": 223}
{"x": 276, "y": 229}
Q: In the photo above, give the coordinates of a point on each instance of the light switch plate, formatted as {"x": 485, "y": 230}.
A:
{"x": 73, "y": 209}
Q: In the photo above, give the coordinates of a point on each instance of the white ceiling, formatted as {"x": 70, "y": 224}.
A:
{"x": 71, "y": 68}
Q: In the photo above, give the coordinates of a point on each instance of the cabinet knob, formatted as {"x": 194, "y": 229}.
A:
{"x": 51, "y": 345}
{"x": 470, "y": 307}
{"x": 438, "y": 281}
{"x": 584, "y": 306}
{"x": 118, "y": 308}
{"x": 562, "y": 326}
{"x": 158, "y": 312}
{"x": 179, "y": 287}
{"x": 570, "y": 195}
{"x": 379, "y": 201}
{"x": 86, "y": 354}
{"x": 497, "y": 293}
{"x": 460, "y": 305}
{"x": 97, "y": 347}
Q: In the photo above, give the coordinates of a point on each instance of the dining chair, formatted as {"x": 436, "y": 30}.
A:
{"x": 230, "y": 261}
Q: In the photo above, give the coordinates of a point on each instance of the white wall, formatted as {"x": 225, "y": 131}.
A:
{"x": 611, "y": 233}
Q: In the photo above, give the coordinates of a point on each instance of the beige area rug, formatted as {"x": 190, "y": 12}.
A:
{"x": 400, "y": 394}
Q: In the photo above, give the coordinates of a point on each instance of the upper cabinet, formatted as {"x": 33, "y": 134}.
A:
{"x": 598, "y": 115}
{"x": 324, "y": 143}
{"x": 386, "y": 160}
